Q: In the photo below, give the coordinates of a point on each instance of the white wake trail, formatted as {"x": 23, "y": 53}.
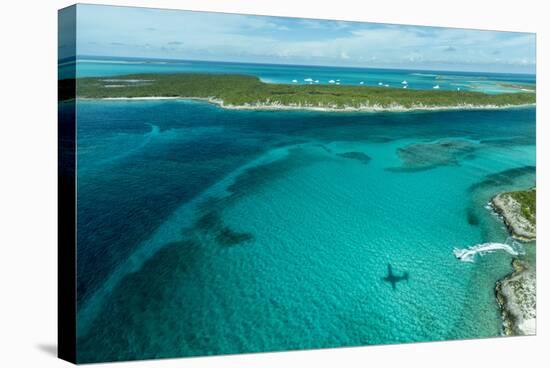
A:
{"x": 469, "y": 254}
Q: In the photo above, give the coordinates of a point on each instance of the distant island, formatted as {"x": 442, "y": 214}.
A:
{"x": 516, "y": 293}
{"x": 249, "y": 92}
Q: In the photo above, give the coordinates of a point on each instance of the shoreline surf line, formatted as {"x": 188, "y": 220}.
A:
{"x": 282, "y": 107}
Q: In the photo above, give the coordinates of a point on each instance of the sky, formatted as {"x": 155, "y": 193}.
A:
{"x": 186, "y": 35}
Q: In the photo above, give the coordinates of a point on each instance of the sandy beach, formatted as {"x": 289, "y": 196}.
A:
{"x": 294, "y": 107}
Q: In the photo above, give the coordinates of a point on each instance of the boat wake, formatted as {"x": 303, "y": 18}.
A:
{"x": 470, "y": 254}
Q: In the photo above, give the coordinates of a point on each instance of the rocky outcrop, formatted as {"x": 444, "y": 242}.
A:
{"x": 517, "y": 215}
{"x": 516, "y": 296}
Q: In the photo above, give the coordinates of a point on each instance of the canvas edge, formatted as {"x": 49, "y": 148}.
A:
{"x": 66, "y": 191}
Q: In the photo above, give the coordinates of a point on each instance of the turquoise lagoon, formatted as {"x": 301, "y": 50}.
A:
{"x": 209, "y": 231}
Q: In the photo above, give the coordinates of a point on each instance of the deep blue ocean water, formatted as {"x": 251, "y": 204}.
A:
{"x": 211, "y": 231}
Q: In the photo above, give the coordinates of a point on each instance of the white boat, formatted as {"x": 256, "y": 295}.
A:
{"x": 436, "y": 86}
{"x": 294, "y": 81}
{"x": 308, "y": 80}
{"x": 361, "y": 82}
{"x": 332, "y": 81}
{"x": 380, "y": 83}
{"x": 404, "y": 82}
{"x": 405, "y": 86}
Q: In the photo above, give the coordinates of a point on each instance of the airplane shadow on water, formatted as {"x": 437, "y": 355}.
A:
{"x": 394, "y": 279}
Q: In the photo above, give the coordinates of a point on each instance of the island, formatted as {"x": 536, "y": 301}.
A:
{"x": 249, "y": 92}
{"x": 518, "y": 209}
{"x": 516, "y": 293}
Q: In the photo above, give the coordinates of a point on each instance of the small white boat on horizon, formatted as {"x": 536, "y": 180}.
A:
{"x": 294, "y": 81}
{"x": 436, "y": 86}
{"x": 332, "y": 81}
{"x": 404, "y": 82}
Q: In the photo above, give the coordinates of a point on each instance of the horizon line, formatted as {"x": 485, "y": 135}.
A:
{"x": 76, "y": 57}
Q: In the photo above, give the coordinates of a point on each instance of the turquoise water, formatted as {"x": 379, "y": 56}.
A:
{"x": 301, "y": 74}
{"x": 208, "y": 231}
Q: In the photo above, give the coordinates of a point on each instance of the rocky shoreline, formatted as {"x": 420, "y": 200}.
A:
{"x": 275, "y": 106}
{"x": 516, "y": 296}
{"x": 512, "y": 211}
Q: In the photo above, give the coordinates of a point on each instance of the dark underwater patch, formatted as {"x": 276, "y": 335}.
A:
{"x": 255, "y": 177}
{"x": 208, "y": 221}
{"x": 426, "y": 156}
{"x": 229, "y": 237}
{"x": 358, "y": 156}
{"x": 510, "y": 142}
{"x": 325, "y": 148}
{"x": 212, "y": 224}
{"x": 211, "y": 221}
{"x": 502, "y": 178}
{"x": 472, "y": 217}
{"x": 380, "y": 139}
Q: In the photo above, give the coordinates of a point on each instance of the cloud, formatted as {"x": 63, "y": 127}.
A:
{"x": 230, "y": 37}
{"x": 320, "y": 24}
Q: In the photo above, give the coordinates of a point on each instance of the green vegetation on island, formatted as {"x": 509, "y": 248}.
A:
{"x": 241, "y": 91}
{"x": 528, "y": 202}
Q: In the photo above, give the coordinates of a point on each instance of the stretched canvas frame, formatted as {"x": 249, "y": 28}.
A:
{"x": 235, "y": 184}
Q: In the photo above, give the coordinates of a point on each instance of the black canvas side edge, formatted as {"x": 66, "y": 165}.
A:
{"x": 66, "y": 186}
